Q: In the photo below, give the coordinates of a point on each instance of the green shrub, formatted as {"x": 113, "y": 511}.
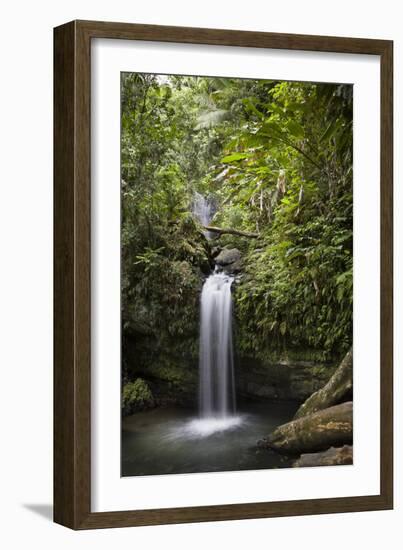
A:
{"x": 137, "y": 396}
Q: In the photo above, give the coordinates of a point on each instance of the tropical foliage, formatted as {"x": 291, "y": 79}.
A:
{"x": 276, "y": 159}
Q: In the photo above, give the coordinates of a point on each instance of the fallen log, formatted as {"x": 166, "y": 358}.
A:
{"x": 338, "y": 389}
{"x": 335, "y": 456}
{"x": 332, "y": 427}
{"x": 230, "y": 231}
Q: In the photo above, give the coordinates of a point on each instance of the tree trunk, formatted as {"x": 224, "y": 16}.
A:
{"x": 332, "y": 457}
{"x": 338, "y": 389}
{"x": 230, "y": 231}
{"x": 331, "y": 427}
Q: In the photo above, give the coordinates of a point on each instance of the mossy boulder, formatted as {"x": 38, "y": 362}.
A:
{"x": 137, "y": 396}
{"x": 331, "y": 427}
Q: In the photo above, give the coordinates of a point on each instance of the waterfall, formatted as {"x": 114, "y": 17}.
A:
{"x": 203, "y": 210}
{"x": 216, "y": 364}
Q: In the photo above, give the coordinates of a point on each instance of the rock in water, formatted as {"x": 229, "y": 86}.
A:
{"x": 331, "y": 427}
{"x": 338, "y": 389}
{"x": 332, "y": 457}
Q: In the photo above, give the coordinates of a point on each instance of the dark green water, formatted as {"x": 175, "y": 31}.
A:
{"x": 173, "y": 441}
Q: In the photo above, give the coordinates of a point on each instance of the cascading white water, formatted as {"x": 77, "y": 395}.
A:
{"x": 216, "y": 363}
{"x": 203, "y": 210}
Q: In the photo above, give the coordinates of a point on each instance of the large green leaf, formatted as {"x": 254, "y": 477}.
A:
{"x": 271, "y": 127}
{"x": 295, "y": 129}
{"x": 234, "y": 157}
{"x": 251, "y": 107}
{"x": 331, "y": 130}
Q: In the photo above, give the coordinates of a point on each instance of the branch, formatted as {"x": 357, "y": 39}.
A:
{"x": 230, "y": 231}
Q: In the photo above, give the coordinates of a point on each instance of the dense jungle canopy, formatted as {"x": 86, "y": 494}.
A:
{"x": 275, "y": 158}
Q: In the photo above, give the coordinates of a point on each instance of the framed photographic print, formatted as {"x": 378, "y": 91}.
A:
{"x": 223, "y": 275}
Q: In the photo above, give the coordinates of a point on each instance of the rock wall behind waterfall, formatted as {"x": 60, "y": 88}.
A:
{"x": 281, "y": 377}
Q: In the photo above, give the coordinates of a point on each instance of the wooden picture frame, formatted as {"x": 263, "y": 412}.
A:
{"x": 72, "y": 269}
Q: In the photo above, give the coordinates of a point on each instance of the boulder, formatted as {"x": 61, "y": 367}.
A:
{"x": 234, "y": 268}
{"x": 215, "y": 251}
{"x": 332, "y": 427}
{"x": 338, "y": 389}
{"x": 228, "y": 256}
{"x": 335, "y": 456}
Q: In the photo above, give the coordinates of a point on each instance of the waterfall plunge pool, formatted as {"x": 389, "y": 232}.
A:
{"x": 222, "y": 436}
{"x": 176, "y": 441}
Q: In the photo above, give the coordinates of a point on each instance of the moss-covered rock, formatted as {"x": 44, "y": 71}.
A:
{"x": 331, "y": 427}
{"x": 136, "y": 396}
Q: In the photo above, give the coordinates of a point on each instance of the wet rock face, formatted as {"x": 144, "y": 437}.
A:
{"x": 294, "y": 380}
